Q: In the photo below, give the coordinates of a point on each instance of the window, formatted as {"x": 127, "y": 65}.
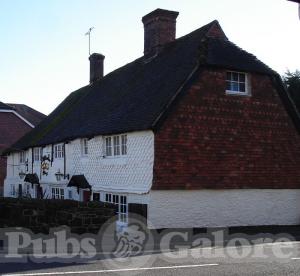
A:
{"x": 108, "y": 146}
{"x": 237, "y": 83}
{"x": 58, "y": 193}
{"x": 22, "y": 157}
{"x": 70, "y": 194}
{"x": 124, "y": 144}
{"x": 12, "y": 190}
{"x": 59, "y": 151}
{"x": 27, "y": 189}
{"x": 121, "y": 203}
{"x": 37, "y": 153}
{"x": 116, "y": 145}
{"x": 84, "y": 147}
{"x": 96, "y": 196}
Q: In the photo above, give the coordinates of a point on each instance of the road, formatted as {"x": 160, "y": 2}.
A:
{"x": 262, "y": 259}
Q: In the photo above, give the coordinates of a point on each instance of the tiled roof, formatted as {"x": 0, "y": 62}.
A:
{"x": 134, "y": 96}
{"x": 31, "y": 115}
{"x": 4, "y": 106}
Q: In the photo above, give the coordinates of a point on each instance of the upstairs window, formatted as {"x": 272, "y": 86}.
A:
{"x": 108, "y": 146}
{"x": 237, "y": 83}
{"x": 22, "y": 157}
{"x": 116, "y": 145}
{"x": 59, "y": 151}
{"x": 84, "y": 147}
{"x": 37, "y": 153}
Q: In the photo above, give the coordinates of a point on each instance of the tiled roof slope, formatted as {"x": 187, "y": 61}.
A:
{"x": 31, "y": 115}
{"x": 4, "y": 106}
{"x": 134, "y": 96}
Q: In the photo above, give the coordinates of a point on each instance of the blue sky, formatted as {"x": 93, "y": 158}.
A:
{"x": 44, "y": 53}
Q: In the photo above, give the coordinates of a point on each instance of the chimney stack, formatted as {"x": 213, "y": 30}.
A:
{"x": 159, "y": 29}
{"x": 96, "y": 67}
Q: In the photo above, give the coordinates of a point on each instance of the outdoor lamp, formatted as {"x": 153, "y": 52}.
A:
{"x": 58, "y": 175}
{"x": 22, "y": 174}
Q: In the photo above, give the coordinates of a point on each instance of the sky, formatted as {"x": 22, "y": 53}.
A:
{"x": 44, "y": 52}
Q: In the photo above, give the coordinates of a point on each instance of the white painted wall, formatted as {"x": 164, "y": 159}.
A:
{"x": 219, "y": 208}
{"x": 132, "y": 173}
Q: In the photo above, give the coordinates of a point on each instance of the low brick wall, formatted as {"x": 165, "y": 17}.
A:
{"x": 41, "y": 215}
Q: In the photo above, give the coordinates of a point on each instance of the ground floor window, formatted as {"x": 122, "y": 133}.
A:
{"x": 12, "y": 190}
{"x": 96, "y": 196}
{"x": 27, "y": 190}
{"x": 122, "y": 206}
{"x": 58, "y": 193}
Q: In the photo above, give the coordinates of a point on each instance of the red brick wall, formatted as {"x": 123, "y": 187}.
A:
{"x": 215, "y": 141}
{"x": 11, "y": 129}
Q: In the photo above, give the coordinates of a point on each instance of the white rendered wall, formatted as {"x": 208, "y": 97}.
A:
{"x": 220, "y": 208}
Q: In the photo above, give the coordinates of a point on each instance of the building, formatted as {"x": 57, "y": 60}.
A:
{"x": 15, "y": 121}
{"x": 195, "y": 133}
{"x": 297, "y": 1}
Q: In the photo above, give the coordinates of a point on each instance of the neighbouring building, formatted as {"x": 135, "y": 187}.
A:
{"x": 15, "y": 121}
{"x": 297, "y": 1}
{"x": 195, "y": 133}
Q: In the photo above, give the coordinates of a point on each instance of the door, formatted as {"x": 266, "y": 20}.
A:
{"x": 86, "y": 196}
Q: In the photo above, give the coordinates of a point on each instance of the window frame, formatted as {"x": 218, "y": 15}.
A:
{"x": 22, "y": 157}
{"x": 84, "y": 147}
{"x": 115, "y": 146}
{"x": 37, "y": 154}
{"x": 58, "y": 193}
{"x": 59, "y": 151}
{"x": 121, "y": 202}
{"x": 238, "y": 83}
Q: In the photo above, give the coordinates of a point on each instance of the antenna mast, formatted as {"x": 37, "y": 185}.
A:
{"x": 89, "y": 34}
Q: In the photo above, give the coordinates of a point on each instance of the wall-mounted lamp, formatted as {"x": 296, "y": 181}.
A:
{"x": 22, "y": 174}
{"x": 59, "y": 175}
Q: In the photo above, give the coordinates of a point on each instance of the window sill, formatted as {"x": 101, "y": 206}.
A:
{"x": 236, "y": 93}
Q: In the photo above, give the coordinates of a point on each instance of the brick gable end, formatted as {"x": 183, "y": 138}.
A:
{"x": 211, "y": 140}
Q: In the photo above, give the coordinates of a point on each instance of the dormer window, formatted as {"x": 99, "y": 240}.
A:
{"x": 237, "y": 83}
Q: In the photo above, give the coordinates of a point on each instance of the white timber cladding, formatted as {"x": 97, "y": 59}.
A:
{"x": 128, "y": 173}
{"x": 221, "y": 208}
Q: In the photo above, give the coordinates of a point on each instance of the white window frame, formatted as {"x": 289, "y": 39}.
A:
{"x": 22, "y": 157}
{"x": 12, "y": 190}
{"x": 116, "y": 145}
{"x": 59, "y": 151}
{"x": 58, "y": 193}
{"x": 84, "y": 147}
{"x": 37, "y": 154}
{"x": 238, "y": 82}
{"x": 70, "y": 194}
{"x": 121, "y": 203}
